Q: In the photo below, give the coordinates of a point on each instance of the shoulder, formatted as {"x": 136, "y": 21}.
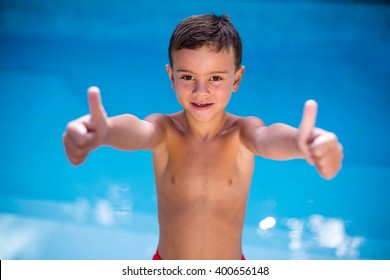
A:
{"x": 157, "y": 118}
{"x": 248, "y": 129}
{"x": 164, "y": 125}
{"x": 163, "y": 121}
{"x": 247, "y": 123}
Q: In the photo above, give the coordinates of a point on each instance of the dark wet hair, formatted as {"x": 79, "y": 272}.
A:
{"x": 216, "y": 32}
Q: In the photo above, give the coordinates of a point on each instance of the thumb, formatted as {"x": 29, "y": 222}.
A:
{"x": 95, "y": 103}
{"x": 306, "y": 127}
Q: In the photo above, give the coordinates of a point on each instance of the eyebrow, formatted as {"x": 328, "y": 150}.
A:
{"x": 212, "y": 72}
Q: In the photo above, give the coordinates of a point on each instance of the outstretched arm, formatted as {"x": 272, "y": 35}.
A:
{"x": 125, "y": 132}
{"x": 281, "y": 142}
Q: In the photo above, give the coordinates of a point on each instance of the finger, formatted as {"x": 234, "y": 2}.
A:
{"x": 322, "y": 144}
{"x": 75, "y": 152}
{"x": 327, "y": 158}
{"x": 308, "y": 119}
{"x": 329, "y": 171}
{"x": 77, "y": 132}
{"x": 305, "y": 130}
{"x": 95, "y": 103}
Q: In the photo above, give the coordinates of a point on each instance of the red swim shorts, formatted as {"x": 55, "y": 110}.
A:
{"x": 157, "y": 257}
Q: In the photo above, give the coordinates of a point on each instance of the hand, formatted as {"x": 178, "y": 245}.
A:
{"x": 319, "y": 147}
{"x": 88, "y": 132}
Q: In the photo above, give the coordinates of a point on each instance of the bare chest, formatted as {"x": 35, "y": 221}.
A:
{"x": 208, "y": 172}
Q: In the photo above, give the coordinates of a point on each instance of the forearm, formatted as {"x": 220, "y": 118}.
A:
{"x": 278, "y": 141}
{"x": 127, "y": 132}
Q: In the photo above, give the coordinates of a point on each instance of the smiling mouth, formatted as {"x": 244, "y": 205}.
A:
{"x": 201, "y": 106}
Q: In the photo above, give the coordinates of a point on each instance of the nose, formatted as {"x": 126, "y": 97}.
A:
{"x": 201, "y": 88}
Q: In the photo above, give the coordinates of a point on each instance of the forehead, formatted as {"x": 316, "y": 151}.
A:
{"x": 204, "y": 58}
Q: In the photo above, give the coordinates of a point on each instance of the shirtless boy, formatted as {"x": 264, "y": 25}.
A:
{"x": 203, "y": 157}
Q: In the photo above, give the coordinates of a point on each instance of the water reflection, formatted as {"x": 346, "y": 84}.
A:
{"x": 78, "y": 210}
{"x": 114, "y": 209}
{"x": 318, "y": 233}
{"x": 22, "y": 238}
{"x": 27, "y": 226}
{"x": 267, "y": 223}
{"x": 265, "y": 227}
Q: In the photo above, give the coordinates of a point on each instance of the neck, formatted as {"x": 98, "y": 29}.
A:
{"x": 205, "y": 130}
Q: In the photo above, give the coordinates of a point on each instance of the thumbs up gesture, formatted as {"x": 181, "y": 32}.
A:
{"x": 88, "y": 132}
{"x": 319, "y": 147}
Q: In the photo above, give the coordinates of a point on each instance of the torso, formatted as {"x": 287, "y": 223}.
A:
{"x": 202, "y": 188}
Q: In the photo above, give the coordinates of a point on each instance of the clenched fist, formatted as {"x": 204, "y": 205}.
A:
{"x": 319, "y": 147}
{"x": 88, "y": 132}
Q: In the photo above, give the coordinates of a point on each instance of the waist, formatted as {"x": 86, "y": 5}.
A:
{"x": 157, "y": 257}
{"x": 201, "y": 244}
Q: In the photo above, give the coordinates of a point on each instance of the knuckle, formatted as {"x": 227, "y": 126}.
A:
{"x": 323, "y": 164}
{"x": 80, "y": 141}
{"x": 316, "y": 152}
{"x": 79, "y": 153}
{"x": 76, "y": 161}
{"x": 328, "y": 176}
{"x": 327, "y": 173}
{"x": 71, "y": 126}
{"x": 320, "y": 165}
{"x": 333, "y": 136}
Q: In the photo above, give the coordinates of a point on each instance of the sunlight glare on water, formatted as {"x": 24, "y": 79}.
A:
{"x": 267, "y": 223}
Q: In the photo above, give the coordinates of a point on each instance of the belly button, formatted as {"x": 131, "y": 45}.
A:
{"x": 173, "y": 180}
{"x": 230, "y": 183}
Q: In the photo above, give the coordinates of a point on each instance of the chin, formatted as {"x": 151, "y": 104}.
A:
{"x": 202, "y": 116}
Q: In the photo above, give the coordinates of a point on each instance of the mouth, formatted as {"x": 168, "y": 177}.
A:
{"x": 201, "y": 106}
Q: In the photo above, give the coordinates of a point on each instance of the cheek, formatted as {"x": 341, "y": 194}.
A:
{"x": 181, "y": 96}
{"x": 183, "y": 87}
{"x": 225, "y": 91}
{"x": 224, "y": 95}
{"x": 227, "y": 97}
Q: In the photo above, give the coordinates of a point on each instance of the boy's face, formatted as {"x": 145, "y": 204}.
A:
{"x": 204, "y": 80}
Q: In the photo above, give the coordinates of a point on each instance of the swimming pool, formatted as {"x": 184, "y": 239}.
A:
{"x": 336, "y": 53}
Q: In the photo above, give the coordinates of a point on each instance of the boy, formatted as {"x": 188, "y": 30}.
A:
{"x": 203, "y": 157}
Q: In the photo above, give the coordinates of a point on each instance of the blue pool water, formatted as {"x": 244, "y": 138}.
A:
{"x": 335, "y": 52}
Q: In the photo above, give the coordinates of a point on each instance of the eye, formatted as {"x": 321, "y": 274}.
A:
{"x": 216, "y": 78}
{"x": 187, "y": 78}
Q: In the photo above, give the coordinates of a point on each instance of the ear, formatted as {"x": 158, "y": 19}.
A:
{"x": 237, "y": 78}
{"x": 170, "y": 75}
